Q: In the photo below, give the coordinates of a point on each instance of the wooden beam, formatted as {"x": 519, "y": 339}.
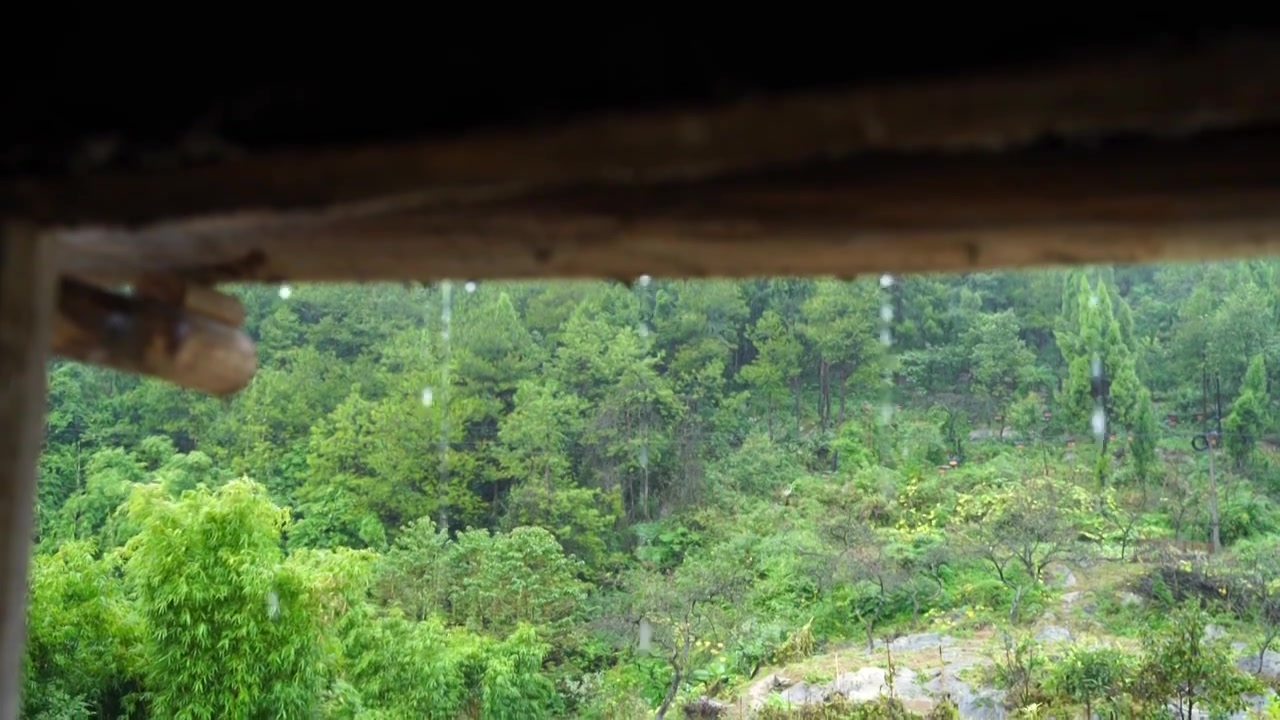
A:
{"x": 28, "y": 271}
{"x": 1138, "y": 202}
{"x": 188, "y": 346}
{"x": 1232, "y": 83}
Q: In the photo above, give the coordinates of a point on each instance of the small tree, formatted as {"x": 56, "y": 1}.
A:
{"x": 1256, "y": 590}
{"x": 415, "y": 574}
{"x": 1247, "y": 419}
{"x": 693, "y": 603}
{"x": 1028, "y": 528}
{"x": 1123, "y": 516}
{"x": 1089, "y": 676}
{"x": 999, "y": 359}
{"x": 1179, "y": 662}
{"x": 1145, "y": 438}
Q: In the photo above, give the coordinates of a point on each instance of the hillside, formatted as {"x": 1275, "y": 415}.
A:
{"x": 601, "y": 500}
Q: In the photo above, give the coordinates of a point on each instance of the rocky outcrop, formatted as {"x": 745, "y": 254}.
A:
{"x": 1054, "y": 633}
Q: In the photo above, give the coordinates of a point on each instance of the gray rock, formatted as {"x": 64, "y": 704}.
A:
{"x": 870, "y": 683}
{"x": 1269, "y": 668}
{"x": 760, "y": 690}
{"x": 1063, "y": 577}
{"x": 802, "y": 693}
{"x": 920, "y": 641}
{"x": 993, "y": 434}
{"x": 1253, "y": 704}
{"x": 1054, "y": 633}
{"x": 1071, "y": 597}
{"x": 705, "y": 708}
{"x": 1214, "y": 632}
{"x": 1128, "y": 599}
{"x": 982, "y": 704}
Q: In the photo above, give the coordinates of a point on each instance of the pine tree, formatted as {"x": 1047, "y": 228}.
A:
{"x": 1248, "y": 417}
{"x": 776, "y": 368}
{"x": 1101, "y": 373}
{"x": 1000, "y": 358}
{"x": 1145, "y": 439}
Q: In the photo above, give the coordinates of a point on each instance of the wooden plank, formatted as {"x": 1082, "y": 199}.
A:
{"x": 1129, "y": 203}
{"x": 1234, "y": 82}
{"x": 27, "y": 288}
{"x": 146, "y": 336}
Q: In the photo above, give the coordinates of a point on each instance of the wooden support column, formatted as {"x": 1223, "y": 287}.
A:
{"x": 27, "y": 296}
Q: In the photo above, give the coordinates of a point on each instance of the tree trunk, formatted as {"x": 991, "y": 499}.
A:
{"x": 770, "y": 415}
{"x": 1017, "y": 601}
{"x": 677, "y": 666}
{"x": 824, "y": 394}
{"x": 645, "y": 500}
{"x": 1104, "y": 460}
{"x": 841, "y": 374}
{"x": 1267, "y": 639}
{"x": 1215, "y": 524}
{"x": 796, "y": 391}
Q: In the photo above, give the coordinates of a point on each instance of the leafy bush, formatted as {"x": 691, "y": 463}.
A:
{"x": 1245, "y": 513}
{"x": 1179, "y": 662}
{"x": 1090, "y": 678}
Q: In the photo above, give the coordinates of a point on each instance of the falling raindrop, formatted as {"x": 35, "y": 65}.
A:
{"x": 1099, "y": 422}
{"x": 646, "y": 635}
{"x": 647, "y": 306}
{"x": 886, "y": 339}
{"x": 273, "y": 604}
{"x": 1093, "y": 300}
{"x": 470, "y": 286}
{"x": 644, "y": 456}
{"x": 428, "y": 395}
{"x": 285, "y": 292}
{"x": 446, "y": 319}
{"x": 1097, "y": 366}
{"x": 446, "y": 311}
{"x": 886, "y": 413}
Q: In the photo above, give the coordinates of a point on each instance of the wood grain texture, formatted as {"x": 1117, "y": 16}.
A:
{"x": 1232, "y": 83}
{"x": 144, "y": 336}
{"x": 27, "y": 287}
{"x": 1136, "y": 202}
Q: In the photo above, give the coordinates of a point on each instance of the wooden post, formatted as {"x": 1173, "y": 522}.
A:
{"x": 27, "y": 295}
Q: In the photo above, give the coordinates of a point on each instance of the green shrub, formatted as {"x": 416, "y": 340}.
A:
{"x": 1090, "y": 678}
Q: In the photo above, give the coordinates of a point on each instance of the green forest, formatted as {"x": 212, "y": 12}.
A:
{"x": 680, "y": 498}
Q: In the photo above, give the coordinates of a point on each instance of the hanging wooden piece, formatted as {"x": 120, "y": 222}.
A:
{"x": 200, "y": 299}
{"x": 196, "y": 344}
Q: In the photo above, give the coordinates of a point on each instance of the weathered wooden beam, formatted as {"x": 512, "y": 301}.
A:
{"x": 1138, "y": 202}
{"x": 146, "y": 336}
{"x": 1232, "y": 83}
{"x": 28, "y": 272}
{"x": 200, "y": 299}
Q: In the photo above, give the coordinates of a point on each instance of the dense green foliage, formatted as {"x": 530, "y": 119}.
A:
{"x": 583, "y": 499}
